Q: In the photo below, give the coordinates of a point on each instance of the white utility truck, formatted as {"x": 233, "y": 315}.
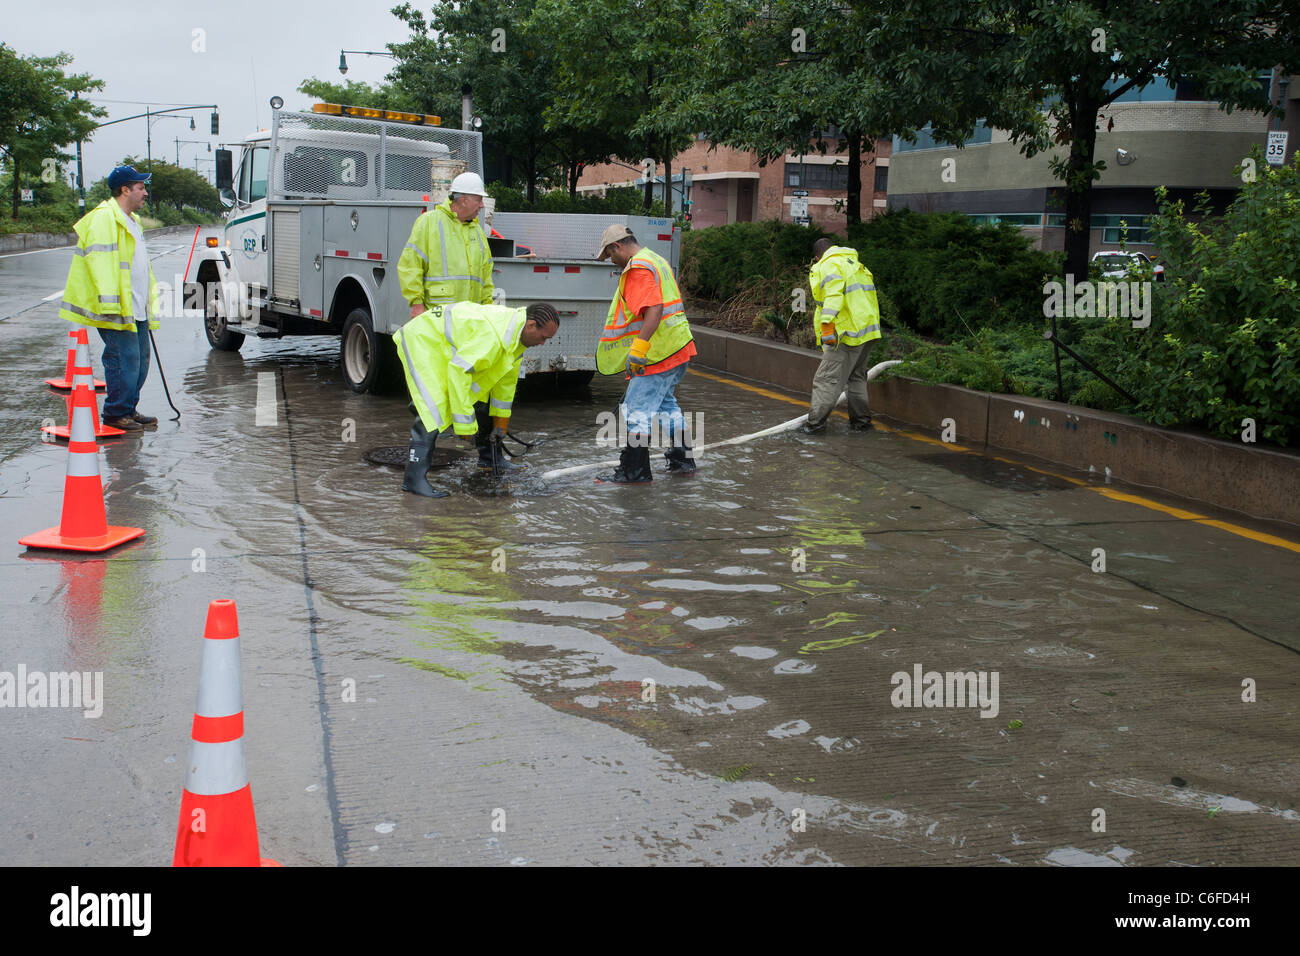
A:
{"x": 320, "y": 208}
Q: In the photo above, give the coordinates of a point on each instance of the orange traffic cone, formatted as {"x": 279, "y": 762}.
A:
{"x": 67, "y": 383}
{"x": 217, "y": 827}
{"x": 83, "y": 375}
{"x": 84, "y": 525}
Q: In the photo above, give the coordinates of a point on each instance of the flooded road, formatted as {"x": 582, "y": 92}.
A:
{"x": 714, "y": 668}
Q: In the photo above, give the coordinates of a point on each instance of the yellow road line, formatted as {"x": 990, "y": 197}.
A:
{"x": 1111, "y": 493}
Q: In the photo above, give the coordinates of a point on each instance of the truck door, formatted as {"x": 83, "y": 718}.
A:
{"x": 246, "y": 228}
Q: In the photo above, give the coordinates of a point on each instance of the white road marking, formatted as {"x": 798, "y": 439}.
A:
{"x": 32, "y": 252}
{"x": 266, "y": 399}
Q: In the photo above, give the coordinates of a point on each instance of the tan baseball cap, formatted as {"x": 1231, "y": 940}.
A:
{"x": 612, "y": 234}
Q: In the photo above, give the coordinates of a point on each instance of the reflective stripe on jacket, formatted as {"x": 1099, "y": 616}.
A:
{"x": 845, "y": 293}
{"x": 456, "y": 355}
{"x": 622, "y": 326}
{"x": 98, "y": 290}
{"x": 445, "y": 260}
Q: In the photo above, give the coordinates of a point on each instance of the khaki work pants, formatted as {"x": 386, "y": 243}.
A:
{"x": 843, "y": 368}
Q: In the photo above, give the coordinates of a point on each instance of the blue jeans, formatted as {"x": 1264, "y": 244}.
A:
{"x": 126, "y": 366}
{"x": 649, "y": 401}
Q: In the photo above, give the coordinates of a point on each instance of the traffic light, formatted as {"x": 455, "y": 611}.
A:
{"x": 216, "y": 125}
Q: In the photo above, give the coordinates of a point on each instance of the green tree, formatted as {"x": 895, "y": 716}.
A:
{"x": 615, "y": 61}
{"x": 40, "y": 113}
{"x": 383, "y": 96}
{"x": 1043, "y": 69}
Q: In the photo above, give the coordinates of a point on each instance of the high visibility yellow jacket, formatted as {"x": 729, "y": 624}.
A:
{"x": 445, "y": 260}
{"x": 460, "y": 354}
{"x": 98, "y": 290}
{"x": 622, "y": 326}
{"x": 846, "y": 293}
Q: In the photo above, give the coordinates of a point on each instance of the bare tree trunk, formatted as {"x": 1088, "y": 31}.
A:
{"x": 1078, "y": 186}
{"x": 14, "y": 162}
{"x": 574, "y": 173}
{"x": 853, "y": 214}
{"x": 668, "y": 184}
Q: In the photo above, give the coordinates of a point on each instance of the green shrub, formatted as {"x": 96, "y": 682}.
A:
{"x": 716, "y": 262}
{"x": 946, "y": 272}
{"x": 616, "y": 202}
{"x": 1225, "y": 327}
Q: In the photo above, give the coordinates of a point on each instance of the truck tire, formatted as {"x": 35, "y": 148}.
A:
{"x": 214, "y": 327}
{"x": 362, "y": 353}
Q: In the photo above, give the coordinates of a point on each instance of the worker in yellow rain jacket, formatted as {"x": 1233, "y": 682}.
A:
{"x": 111, "y": 287}
{"x": 462, "y": 365}
{"x": 447, "y": 258}
{"x": 848, "y": 318}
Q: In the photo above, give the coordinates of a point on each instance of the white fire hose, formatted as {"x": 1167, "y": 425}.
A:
{"x": 739, "y": 440}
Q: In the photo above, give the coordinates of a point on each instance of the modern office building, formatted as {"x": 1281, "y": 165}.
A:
{"x": 728, "y": 185}
{"x": 1156, "y": 136}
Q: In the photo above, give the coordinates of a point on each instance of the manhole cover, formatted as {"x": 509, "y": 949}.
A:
{"x": 395, "y": 456}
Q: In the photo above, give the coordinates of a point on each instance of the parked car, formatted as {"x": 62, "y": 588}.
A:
{"x": 1116, "y": 265}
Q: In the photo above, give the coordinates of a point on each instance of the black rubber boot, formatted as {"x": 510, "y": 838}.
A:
{"x": 418, "y": 452}
{"x": 680, "y": 460}
{"x": 633, "y": 467}
{"x": 492, "y": 457}
{"x": 814, "y": 428}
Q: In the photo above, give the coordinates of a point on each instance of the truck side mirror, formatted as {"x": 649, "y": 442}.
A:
{"x": 225, "y": 173}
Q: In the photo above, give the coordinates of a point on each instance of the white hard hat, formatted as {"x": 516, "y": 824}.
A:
{"x": 468, "y": 184}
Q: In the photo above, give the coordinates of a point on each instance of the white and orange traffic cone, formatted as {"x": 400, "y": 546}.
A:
{"x": 66, "y": 383}
{"x": 217, "y": 827}
{"x": 84, "y": 525}
{"x": 83, "y": 374}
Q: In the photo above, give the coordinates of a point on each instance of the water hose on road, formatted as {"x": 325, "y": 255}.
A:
{"x": 154, "y": 342}
{"x": 739, "y": 440}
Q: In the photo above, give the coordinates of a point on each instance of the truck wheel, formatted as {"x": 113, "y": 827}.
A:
{"x": 361, "y": 353}
{"x": 214, "y": 327}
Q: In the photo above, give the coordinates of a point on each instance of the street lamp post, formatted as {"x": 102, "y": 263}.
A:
{"x": 343, "y": 60}
{"x": 149, "y": 114}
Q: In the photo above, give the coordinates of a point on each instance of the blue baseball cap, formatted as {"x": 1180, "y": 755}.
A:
{"x": 122, "y": 175}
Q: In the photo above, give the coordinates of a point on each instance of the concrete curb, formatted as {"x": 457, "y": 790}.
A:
{"x": 23, "y": 241}
{"x": 1258, "y": 482}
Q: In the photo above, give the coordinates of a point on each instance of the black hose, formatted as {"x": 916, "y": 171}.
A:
{"x": 163, "y": 376}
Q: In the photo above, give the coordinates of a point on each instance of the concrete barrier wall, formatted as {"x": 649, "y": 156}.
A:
{"x": 1257, "y": 481}
{"x": 23, "y": 241}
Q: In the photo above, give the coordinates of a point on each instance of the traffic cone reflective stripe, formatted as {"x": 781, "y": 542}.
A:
{"x": 83, "y": 374}
{"x": 84, "y": 524}
{"x": 217, "y": 825}
{"x": 67, "y": 382}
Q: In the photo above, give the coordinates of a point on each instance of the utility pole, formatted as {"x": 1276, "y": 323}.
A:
{"x": 81, "y": 184}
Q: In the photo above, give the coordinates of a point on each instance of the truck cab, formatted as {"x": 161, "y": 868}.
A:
{"x": 319, "y": 208}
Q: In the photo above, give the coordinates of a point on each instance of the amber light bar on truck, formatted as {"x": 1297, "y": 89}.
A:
{"x": 366, "y": 112}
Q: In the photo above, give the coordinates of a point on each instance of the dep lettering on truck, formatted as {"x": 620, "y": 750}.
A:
{"x": 319, "y": 208}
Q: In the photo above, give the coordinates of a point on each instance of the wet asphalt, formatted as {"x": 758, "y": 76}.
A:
{"x": 468, "y": 680}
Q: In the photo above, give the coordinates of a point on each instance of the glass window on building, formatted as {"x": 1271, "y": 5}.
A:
{"x": 882, "y": 179}
{"x": 925, "y": 139}
{"x": 816, "y": 175}
{"x": 1112, "y": 229}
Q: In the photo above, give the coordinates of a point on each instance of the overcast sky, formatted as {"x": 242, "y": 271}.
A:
{"x": 143, "y": 51}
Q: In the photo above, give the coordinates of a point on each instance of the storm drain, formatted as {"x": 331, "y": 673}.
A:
{"x": 395, "y": 456}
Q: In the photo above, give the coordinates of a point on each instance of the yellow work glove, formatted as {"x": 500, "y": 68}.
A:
{"x": 636, "y": 356}
{"x": 828, "y": 334}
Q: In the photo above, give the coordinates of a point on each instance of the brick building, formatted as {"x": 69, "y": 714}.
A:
{"x": 728, "y": 185}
